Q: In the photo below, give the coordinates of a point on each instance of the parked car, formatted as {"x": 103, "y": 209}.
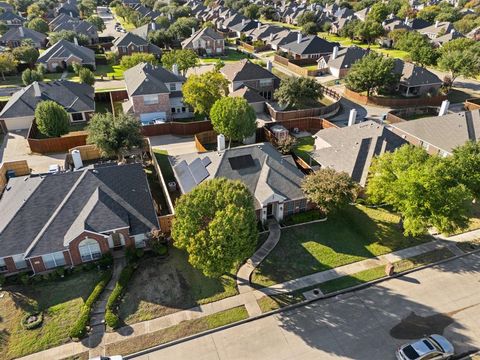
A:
{"x": 433, "y": 347}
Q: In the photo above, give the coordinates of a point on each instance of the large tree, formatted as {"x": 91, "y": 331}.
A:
{"x": 368, "y": 30}
{"x": 202, "y": 91}
{"x": 460, "y": 57}
{"x": 39, "y": 25}
{"x": 329, "y": 189}
{"x": 68, "y": 35}
{"x": 182, "y": 27}
{"x": 216, "y": 224}
{"x": 298, "y": 92}
{"x": 185, "y": 59}
{"x": 421, "y": 188}
{"x": 29, "y": 76}
{"x": 97, "y": 21}
{"x": 378, "y": 12}
{"x": 86, "y": 76}
{"x": 371, "y": 73}
{"x": 130, "y": 61}
{"x": 8, "y": 63}
{"x": 252, "y": 11}
{"x": 234, "y": 118}
{"x": 51, "y": 118}
{"x": 26, "y": 54}
{"x": 465, "y": 166}
{"x": 114, "y": 135}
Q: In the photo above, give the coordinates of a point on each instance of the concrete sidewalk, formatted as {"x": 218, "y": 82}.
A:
{"x": 248, "y": 299}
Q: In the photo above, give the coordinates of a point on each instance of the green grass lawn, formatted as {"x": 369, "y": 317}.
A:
{"x": 61, "y": 302}
{"x": 279, "y": 23}
{"x": 230, "y": 56}
{"x": 110, "y": 70}
{"x": 355, "y": 234}
{"x": 183, "y": 329}
{"x": 274, "y": 302}
{"x": 102, "y": 107}
{"x": 163, "y": 286}
{"x": 117, "y": 107}
{"x": 16, "y": 80}
{"x": 303, "y": 148}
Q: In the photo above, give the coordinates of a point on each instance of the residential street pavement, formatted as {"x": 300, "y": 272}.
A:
{"x": 367, "y": 324}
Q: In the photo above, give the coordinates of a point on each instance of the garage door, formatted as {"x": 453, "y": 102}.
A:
{"x": 18, "y": 123}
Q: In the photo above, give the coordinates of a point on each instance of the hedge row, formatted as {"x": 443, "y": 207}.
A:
{"x": 111, "y": 318}
{"x": 79, "y": 329}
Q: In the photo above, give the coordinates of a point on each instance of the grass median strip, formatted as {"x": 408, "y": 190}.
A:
{"x": 468, "y": 246}
{"x": 274, "y": 302}
{"x": 183, "y": 329}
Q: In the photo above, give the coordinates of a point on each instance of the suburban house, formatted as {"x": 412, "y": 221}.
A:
{"x": 14, "y": 37}
{"x": 308, "y": 47}
{"x": 351, "y": 149}
{"x": 263, "y": 32}
{"x": 77, "y": 99}
{"x": 5, "y": 6}
{"x": 11, "y": 19}
{"x": 441, "y": 134}
{"x": 281, "y": 38}
{"x": 452, "y": 35}
{"x": 155, "y": 94}
{"x": 144, "y": 30}
{"x": 256, "y": 101}
{"x": 243, "y": 27}
{"x": 65, "y": 22}
{"x": 254, "y": 76}
{"x": 340, "y": 61}
{"x": 69, "y": 7}
{"x": 272, "y": 178}
{"x": 416, "y": 80}
{"x": 84, "y": 214}
{"x": 437, "y": 29}
{"x": 205, "y": 41}
{"x": 64, "y": 53}
{"x": 129, "y": 43}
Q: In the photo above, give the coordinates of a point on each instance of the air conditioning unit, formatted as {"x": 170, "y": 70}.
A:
{"x": 172, "y": 186}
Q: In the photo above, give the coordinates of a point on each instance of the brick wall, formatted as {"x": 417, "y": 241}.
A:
{"x": 37, "y": 264}
{"x": 73, "y": 246}
{"x": 139, "y": 107}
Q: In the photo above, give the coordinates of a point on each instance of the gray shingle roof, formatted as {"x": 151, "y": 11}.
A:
{"x": 347, "y": 57}
{"x": 144, "y": 79}
{"x": 131, "y": 38}
{"x": 20, "y": 33}
{"x": 104, "y": 198}
{"x": 205, "y": 32}
{"x": 248, "y": 94}
{"x": 74, "y": 97}
{"x": 63, "y": 49}
{"x": 311, "y": 44}
{"x": 413, "y": 75}
{"x": 9, "y": 16}
{"x": 445, "y": 132}
{"x": 245, "y": 70}
{"x": 351, "y": 149}
{"x": 272, "y": 175}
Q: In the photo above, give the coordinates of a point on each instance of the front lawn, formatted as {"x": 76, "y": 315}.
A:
{"x": 110, "y": 70}
{"x": 230, "y": 56}
{"x": 162, "y": 286}
{"x": 61, "y": 301}
{"x": 355, "y": 234}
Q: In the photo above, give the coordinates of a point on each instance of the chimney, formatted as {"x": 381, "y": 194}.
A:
{"x": 220, "y": 142}
{"x": 271, "y": 36}
{"x": 71, "y": 14}
{"x": 20, "y": 31}
{"x": 452, "y": 31}
{"x": 406, "y": 21}
{"x": 269, "y": 65}
{"x": 154, "y": 26}
{"x": 352, "y": 118}
{"x": 243, "y": 22}
{"x": 335, "y": 52}
{"x": 175, "y": 69}
{"x": 444, "y": 108}
{"x": 259, "y": 25}
{"x": 75, "y": 40}
{"x": 36, "y": 90}
{"x": 437, "y": 23}
{"x": 299, "y": 38}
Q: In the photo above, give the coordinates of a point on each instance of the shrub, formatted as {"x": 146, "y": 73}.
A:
{"x": 52, "y": 119}
{"x": 2, "y": 280}
{"x": 111, "y": 318}
{"x": 106, "y": 261}
{"x": 24, "y": 279}
{"x": 139, "y": 253}
{"x": 32, "y": 324}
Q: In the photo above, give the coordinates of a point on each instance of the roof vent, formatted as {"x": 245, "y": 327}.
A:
{"x": 36, "y": 89}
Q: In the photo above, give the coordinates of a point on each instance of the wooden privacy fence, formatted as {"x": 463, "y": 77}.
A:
{"x": 310, "y": 124}
{"x": 20, "y": 168}
{"x": 324, "y": 111}
{"x": 177, "y": 128}
{"x": 87, "y": 152}
{"x": 394, "y": 102}
{"x": 205, "y": 137}
{"x": 297, "y": 69}
{"x": 472, "y": 104}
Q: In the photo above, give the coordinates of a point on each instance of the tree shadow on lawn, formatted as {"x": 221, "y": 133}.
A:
{"x": 355, "y": 234}
{"x": 163, "y": 286}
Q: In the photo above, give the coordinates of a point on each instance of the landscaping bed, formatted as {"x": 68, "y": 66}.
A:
{"x": 60, "y": 300}
{"x": 303, "y": 217}
{"x": 183, "y": 329}
{"x": 355, "y": 234}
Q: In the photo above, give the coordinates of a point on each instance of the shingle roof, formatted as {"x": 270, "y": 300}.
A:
{"x": 9, "y": 16}
{"x": 74, "y": 97}
{"x": 413, "y": 75}
{"x": 63, "y": 49}
{"x": 351, "y": 149}
{"x": 131, "y": 38}
{"x": 311, "y": 44}
{"x": 346, "y": 57}
{"x": 245, "y": 70}
{"x": 248, "y": 94}
{"x": 98, "y": 199}
{"x": 144, "y": 79}
{"x": 271, "y": 174}
{"x": 20, "y": 33}
{"x": 205, "y": 32}
{"x": 445, "y": 132}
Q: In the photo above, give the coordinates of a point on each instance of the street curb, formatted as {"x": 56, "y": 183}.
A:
{"x": 294, "y": 306}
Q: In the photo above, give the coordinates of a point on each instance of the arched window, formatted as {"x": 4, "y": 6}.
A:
{"x": 89, "y": 250}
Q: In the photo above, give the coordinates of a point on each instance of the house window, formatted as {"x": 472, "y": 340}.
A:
{"x": 77, "y": 117}
{"x": 53, "y": 260}
{"x": 89, "y": 250}
{"x": 3, "y": 266}
{"x": 20, "y": 262}
{"x": 173, "y": 87}
{"x": 302, "y": 205}
{"x": 289, "y": 207}
{"x": 150, "y": 99}
{"x": 265, "y": 82}
{"x": 173, "y": 110}
{"x": 183, "y": 109}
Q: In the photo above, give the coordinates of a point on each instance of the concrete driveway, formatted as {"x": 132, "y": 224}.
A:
{"x": 365, "y": 325}
{"x": 15, "y": 147}
{"x": 175, "y": 145}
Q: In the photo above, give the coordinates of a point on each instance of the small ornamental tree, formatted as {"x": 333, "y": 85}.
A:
{"x": 39, "y": 25}
{"x": 216, "y": 224}
{"x": 30, "y": 76}
{"x": 26, "y": 54}
{"x": 185, "y": 59}
{"x": 234, "y": 118}
{"x": 114, "y": 135}
{"x": 86, "y": 76}
{"x": 130, "y": 61}
{"x": 8, "y": 63}
{"x": 329, "y": 189}
{"x": 52, "y": 119}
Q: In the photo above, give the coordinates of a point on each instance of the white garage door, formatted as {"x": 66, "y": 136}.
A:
{"x": 18, "y": 123}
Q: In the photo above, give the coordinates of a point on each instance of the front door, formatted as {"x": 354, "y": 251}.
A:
{"x": 117, "y": 241}
{"x": 269, "y": 209}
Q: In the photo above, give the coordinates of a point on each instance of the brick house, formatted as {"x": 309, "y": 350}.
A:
{"x": 246, "y": 73}
{"x": 205, "y": 41}
{"x": 68, "y": 23}
{"x": 155, "y": 94}
{"x": 64, "y": 53}
{"x": 84, "y": 214}
{"x": 13, "y": 38}
{"x": 129, "y": 43}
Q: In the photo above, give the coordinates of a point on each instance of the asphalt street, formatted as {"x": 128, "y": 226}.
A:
{"x": 367, "y": 324}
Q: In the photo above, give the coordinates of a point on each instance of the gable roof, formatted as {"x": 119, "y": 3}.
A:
{"x": 346, "y": 57}
{"x": 268, "y": 173}
{"x": 19, "y": 33}
{"x": 145, "y": 79}
{"x": 444, "y": 132}
{"x": 205, "y": 32}
{"x": 441, "y": 26}
{"x": 311, "y": 44}
{"x": 131, "y": 38}
{"x": 245, "y": 70}
{"x": 74, "y": 97}
{"x": 49, "y": 211}
{"x": 63, "y": 49}
{"x": 351, "y": 149}
{"x": 452, "y": 35}
{"x": 413, "y": 75}
{"x": 9, "y": 16}
{"x": 248, "y": 94}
